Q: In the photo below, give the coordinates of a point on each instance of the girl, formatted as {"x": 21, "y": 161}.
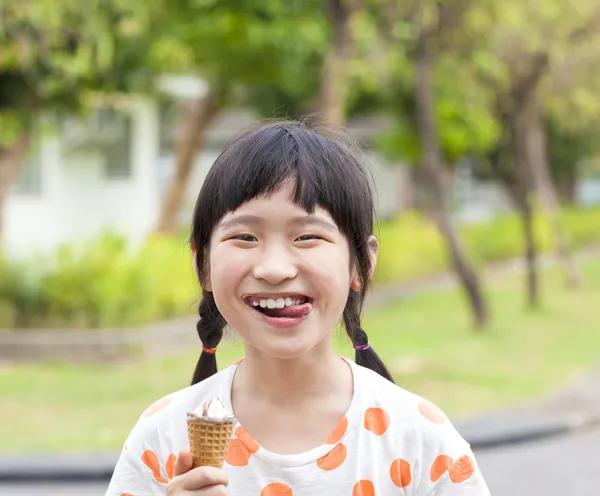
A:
{"x": 283, "y": 247}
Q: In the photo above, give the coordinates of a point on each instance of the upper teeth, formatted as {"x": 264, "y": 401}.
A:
{"x": 276, "y": 303}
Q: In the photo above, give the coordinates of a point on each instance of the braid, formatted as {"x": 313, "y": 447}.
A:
{"x": 210, "y": 330}
{"x": 365, "y": 357}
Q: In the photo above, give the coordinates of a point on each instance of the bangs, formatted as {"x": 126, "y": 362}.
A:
{"x": 323, "y": 170}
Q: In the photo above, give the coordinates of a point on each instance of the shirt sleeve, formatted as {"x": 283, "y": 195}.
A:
{"x": 143, "y": 468}
{"x": 449, "y": 467}
{"x": 462, "y": 478}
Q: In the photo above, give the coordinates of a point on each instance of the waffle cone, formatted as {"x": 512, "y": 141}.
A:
{"x": 209, "y": 440}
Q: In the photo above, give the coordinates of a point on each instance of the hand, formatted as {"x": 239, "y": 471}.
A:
{"x": 200, "y": 481}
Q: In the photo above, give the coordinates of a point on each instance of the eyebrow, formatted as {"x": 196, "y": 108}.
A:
{"x": 254, "y": 220}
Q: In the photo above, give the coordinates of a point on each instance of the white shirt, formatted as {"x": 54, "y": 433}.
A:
{"x": 390, "y": 442}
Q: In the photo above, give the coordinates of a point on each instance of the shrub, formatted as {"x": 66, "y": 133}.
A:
{"x": 501, "y": 239}
{"x": 411, "y": 246}
{"x": 582, "y": 225}
{"x": 99, "y": 284}
{"x": 104, "y": 283}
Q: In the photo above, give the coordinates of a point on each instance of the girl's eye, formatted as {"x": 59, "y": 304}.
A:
{"x": 244, "y": 237}
{"x": 308, "y": 237}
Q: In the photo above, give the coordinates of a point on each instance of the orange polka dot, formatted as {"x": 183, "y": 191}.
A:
{"x": 333, "y": 459}
{"x": 338, "y": 433}
{"x": 363, "y": 488}
{"x": 151, "y": 461}
{"x": 377, "y": 421}
{"x": 277, "y": 489}
{"x": 432, "y": 412}
{"x": 238, "y": 454}
{"x": 170, "y": 466}
{"x": 461, "y": 469}
{"x": 246, "y": 439}
{"x": 126, "y": 494}
{"x": 157, "y": 406}
{"x": 400, "y": 473}
{"x": 439, "y": 467}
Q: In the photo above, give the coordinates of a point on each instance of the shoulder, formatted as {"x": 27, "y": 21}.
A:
{"x": 416, "y": 434}
{"x": 174, "y": 407}
{"x": 405, "y": 409}
{"x": 375, "y": 389}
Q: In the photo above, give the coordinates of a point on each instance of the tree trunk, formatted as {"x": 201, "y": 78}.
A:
{"x": 522, "y": 197}
{"x": 334, "y": 86}
{"x": 193, "y": 126}
{"x": 434, "y": 164}
{"x": 535, "y": 135}
{"x": 12, "y": 160}
{"x": 566, "y": 186}
{"x": 533, "y": 288}
{"x": 516, "y": 184}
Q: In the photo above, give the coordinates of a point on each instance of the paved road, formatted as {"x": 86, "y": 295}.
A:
{"x": 53, "y": 490}
{"x": 555, "y": 467}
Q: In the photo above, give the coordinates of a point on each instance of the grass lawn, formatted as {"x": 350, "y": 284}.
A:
{"x": 426, "y": 341}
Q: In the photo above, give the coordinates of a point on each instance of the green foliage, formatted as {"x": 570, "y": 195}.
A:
{"x": 583, "y": 226}
{"x": 411, "y": 246}
{"x": 100, "y": 284}
{"x": 20, "y": 297}
{"x": 502, "y": 238}
{"x": 567, "y": 149}
{"x": 464, "y": 116}
{"x": 237, "y": 42}
{"x": 105, "y": 284}
{"x": 52, "y": 54}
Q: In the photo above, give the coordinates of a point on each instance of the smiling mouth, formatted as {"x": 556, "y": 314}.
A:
{"x": 289, "y": 306}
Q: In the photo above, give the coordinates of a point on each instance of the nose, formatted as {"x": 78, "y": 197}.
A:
{"x": 275, "y": 264}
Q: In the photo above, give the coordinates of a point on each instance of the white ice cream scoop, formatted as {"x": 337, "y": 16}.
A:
{"x": 212, "y": 408}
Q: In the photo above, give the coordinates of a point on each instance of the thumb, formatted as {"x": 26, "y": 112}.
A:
{"x": 184, "y": 463}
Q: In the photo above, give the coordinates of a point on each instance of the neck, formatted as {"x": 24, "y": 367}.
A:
{"x": 315, "y": 374}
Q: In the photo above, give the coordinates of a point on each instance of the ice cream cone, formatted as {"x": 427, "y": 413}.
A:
{"x": 209, "y": 439}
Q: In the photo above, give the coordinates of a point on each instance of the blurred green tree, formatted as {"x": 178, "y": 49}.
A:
{"x": 441, "y": 110}
{"x": 568, "y": 151}
{"x": 573, "y": 115}
{"x": 242, "y": 50}
{"x": 55, "y": 58}
{"x": 527, "y": 52}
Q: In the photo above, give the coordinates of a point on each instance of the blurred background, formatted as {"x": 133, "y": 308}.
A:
{"x": 480, "y": 121}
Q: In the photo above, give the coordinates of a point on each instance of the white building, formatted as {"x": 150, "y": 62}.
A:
{"x": 87, "y": 178}
{"x": 109, "y": 172}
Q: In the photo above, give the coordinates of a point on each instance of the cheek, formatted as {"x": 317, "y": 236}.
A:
{"x": 227, "y": 267}
{"x": 331, "y": 270}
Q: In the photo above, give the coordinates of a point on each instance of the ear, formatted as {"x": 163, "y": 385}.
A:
{"x": 206, "y": 284}
{"x": 373, "y": 251}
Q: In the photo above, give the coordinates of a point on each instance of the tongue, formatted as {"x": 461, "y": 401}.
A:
{"x": 294, "y": 311}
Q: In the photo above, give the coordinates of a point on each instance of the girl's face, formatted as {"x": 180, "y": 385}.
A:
{"x": 279, "y": 276}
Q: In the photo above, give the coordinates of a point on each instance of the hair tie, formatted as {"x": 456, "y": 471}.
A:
{"x": 362, "y": 347}
{"x": 210, "y": 351}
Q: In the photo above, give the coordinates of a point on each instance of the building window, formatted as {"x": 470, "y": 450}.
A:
{"x": 29, "y": 180}
{"x": 117, "y": 153}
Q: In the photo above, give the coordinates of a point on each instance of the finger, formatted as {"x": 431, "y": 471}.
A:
{"x": 219, "y": 490}
{"x": 200, "y": 477}
{"x": 183, "y": 463}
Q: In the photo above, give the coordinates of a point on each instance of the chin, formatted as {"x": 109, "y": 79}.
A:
{"x": 284, "y": 353}
{"x": 290, "y": 350}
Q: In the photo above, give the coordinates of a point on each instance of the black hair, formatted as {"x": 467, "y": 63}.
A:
{"x": 327, "y": 170}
